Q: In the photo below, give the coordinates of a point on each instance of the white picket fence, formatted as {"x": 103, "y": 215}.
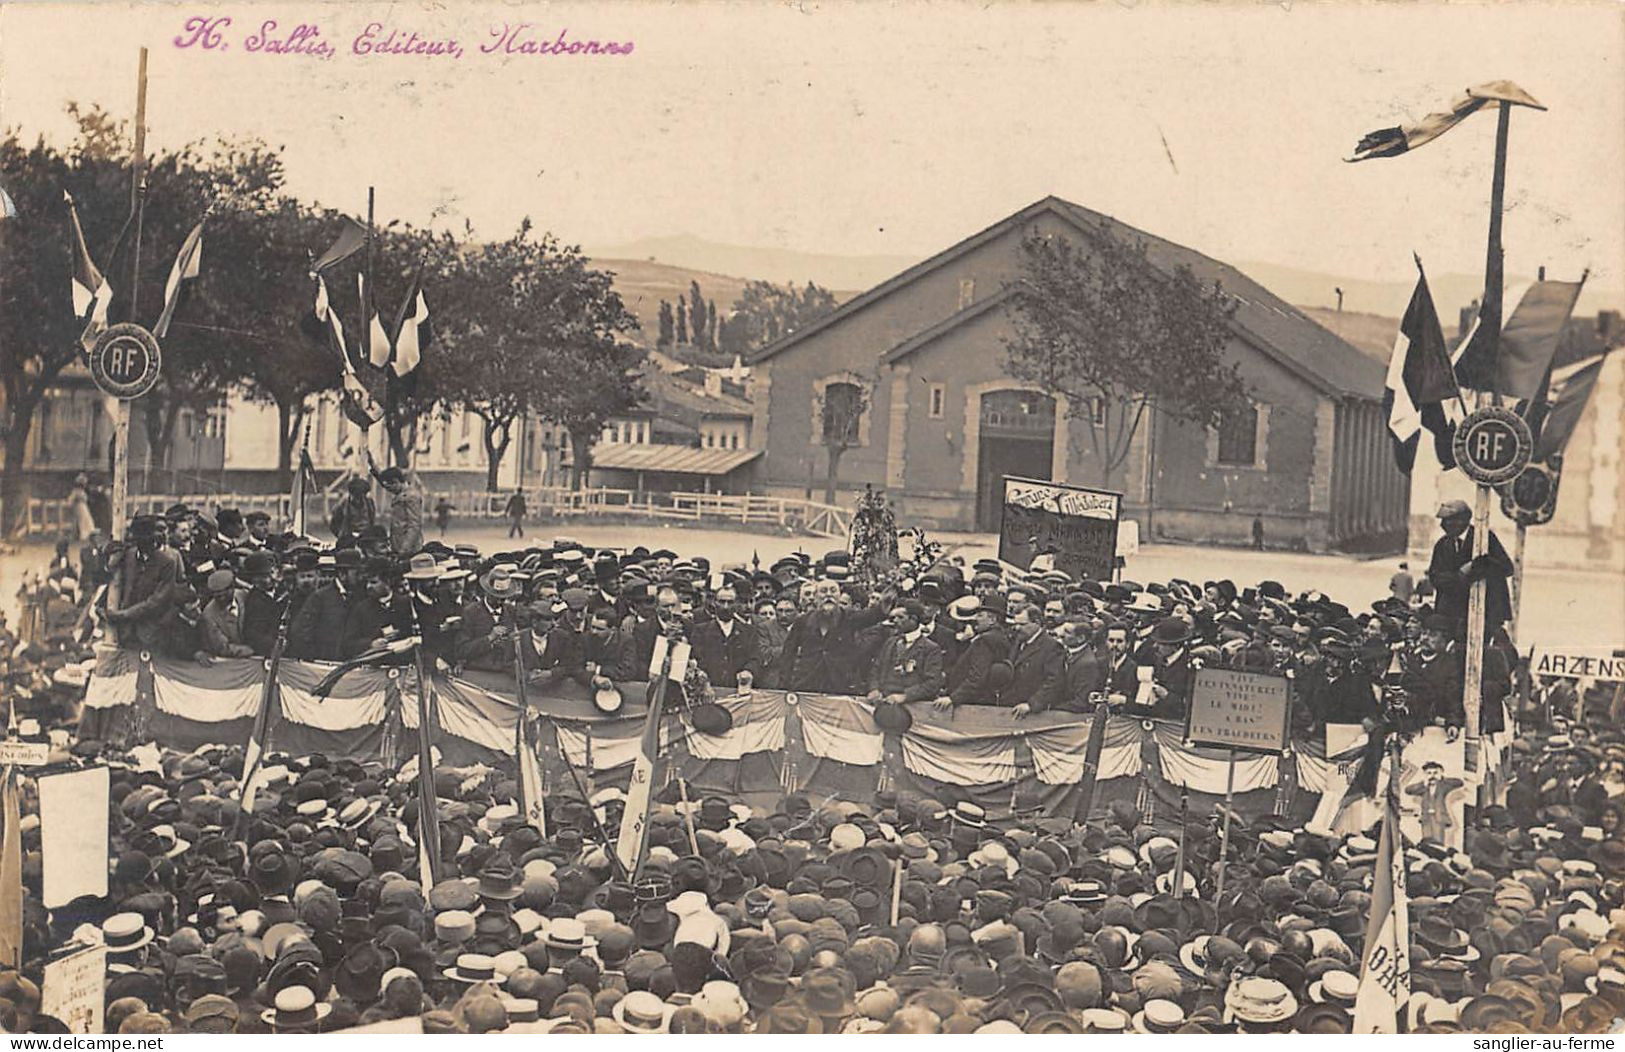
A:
{"x": 52, "y": 518}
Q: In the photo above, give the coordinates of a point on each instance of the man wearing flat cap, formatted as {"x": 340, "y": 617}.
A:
{"x": 222, "y": 620}
{"x": 1453, "y": 571}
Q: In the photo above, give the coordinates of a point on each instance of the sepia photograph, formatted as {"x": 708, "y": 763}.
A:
{"x": 721, "y": 517}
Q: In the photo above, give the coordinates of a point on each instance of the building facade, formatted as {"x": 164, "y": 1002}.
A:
{"x": 942, "y": 421}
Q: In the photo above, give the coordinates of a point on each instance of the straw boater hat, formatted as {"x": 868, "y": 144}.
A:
{"x": 295, "y": 1006}
{"x": 124, "y": 932}
{"x": 641, "y": 1012}
{"x": 567, "y": 933}
{"x": 1259, "y": 1002}
{"x": 474, "y": 968}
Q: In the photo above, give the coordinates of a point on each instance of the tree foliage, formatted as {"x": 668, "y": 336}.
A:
{"x": 534, "y": 330}
{"x": 764, "y": 312}
{"x": 1103, "y": 325}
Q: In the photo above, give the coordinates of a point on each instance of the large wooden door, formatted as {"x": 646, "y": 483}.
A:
{"x": 1017, "y": 438}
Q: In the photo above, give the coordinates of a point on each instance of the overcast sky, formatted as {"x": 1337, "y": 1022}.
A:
{"x": 901, "y": 128}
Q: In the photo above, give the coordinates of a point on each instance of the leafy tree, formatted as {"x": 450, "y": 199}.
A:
{"x": 205, "y": 351}
{"x": 696, "y": 314}
{"x": 1104, "y": 326}
{"x": 764, "y": 312}
{"x": 841, "y": 408}
{"x": 529, "y": 313}
{"x": 668, "y": 326}
{"x": 682, "y": 321}
{"x": 710, "y": 325}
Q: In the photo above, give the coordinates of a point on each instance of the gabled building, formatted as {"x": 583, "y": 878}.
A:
{"x": 1308, "y": 461}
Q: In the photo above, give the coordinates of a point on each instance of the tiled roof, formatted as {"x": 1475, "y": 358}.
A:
{"x": 1263, "y": 319}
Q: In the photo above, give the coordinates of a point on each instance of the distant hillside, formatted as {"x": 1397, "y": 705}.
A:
{"x": 643, "y": 284}
{"x": 777, "y": 265}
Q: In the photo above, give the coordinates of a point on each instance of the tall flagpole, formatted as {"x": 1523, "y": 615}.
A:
{"x": 138, "y": 202}
{"x": 363, "y": 338}
{"x": 1490, "y": 328}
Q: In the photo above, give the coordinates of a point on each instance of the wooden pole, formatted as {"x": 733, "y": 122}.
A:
{"x": 121, "y": 408}
{"x": 688, "y": 816}
{"x": 896, "y": 891}
{"x": 1091, "y": 759}
{"x": 1517, "y": 576}
{"x": 1490, "y": 328}
{"x": 1224, "y": 833}
{"x": 363, "y": 347}
{"x": 1179, "y": 859}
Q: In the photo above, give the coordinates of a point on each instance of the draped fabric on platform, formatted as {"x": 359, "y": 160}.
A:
{"x": 823, "y": 745}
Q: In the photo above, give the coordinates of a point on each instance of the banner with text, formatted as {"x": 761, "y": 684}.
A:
{"x": 1238, "y": 710}
{"x": 1075, "y": 525}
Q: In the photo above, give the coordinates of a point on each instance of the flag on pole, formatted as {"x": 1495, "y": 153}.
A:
{"x": 304, "y": 484}
{"x": 428, "y": 804}
{"x": 259, "y": 735}
{"x": 358, "y": 404}
{"x": 11, "y": 873}
{"x": 378, "y": 349}
{"x": 1385, "y": 969}
{"x": 91, "y": 293}
{"x": 1566, "y": 399}
{"x": 1391, "y": 142}
{"x": 412, "y": 331}
{"x": 1530, "y": 338}
{"x": 531, "y": 793}
{"x": 349, "y": 241}
{"x": 1420, "y": 379}
{"x": 635, "y": 821}
{"x": 185, "y": 266}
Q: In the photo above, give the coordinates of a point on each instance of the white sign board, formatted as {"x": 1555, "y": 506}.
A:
{"x": 1605, "y": 663}
{"x": 74, "y": 989}
{"x": 14, "y": 753}
{"x": 1240, "y": 710}
{"x": 74, "y": 850}
{"x": 679, "y": 659}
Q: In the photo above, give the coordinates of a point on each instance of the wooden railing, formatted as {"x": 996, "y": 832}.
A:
{"x": 54, "y": 517}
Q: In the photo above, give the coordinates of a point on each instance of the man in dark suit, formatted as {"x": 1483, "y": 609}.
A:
{"x": 1432, "y": 678}
{"x": 150, "y": 576}
{"x": 1171, "y": 675}
{"x": 631, "y": 646}
{"x": 1338, "y": 691}
{"x": 1453, "y": 571}
{"x": 1039, "y": 663}
{"x": 1085, "y": 671}
{"x": 969, "y": 681}
{"x": 317, "y": 633}
{"x": 725, "y": 644}
{"x": 485, "y": 636}
{"x": 262, "y": 611}
{"x": 909, "y": 665}
{"x": 818, "y": 651}
{"x": 1121, "y": 678}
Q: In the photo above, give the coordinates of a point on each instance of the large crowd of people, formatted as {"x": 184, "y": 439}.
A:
{"x": 897, "y": 914}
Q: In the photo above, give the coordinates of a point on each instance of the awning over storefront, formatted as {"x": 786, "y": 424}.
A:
{"x": 684, "y": 460}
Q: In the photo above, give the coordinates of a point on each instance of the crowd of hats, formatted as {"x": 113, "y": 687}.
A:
{"x": 308, "y": 913}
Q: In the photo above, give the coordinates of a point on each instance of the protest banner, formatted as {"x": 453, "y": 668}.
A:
{"x": 1246, "y": 711}
{"x": 1077, "y": 526}
{"x": 74, "y": 851}
{"x": 74, "y": 988}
